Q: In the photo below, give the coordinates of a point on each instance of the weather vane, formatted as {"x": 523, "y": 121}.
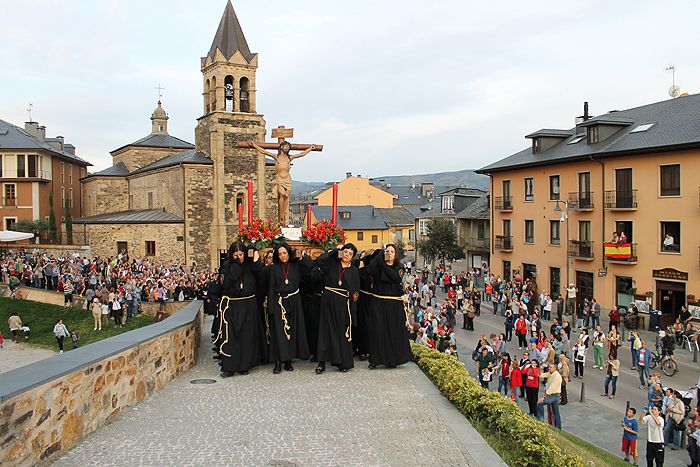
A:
{"x": 29, "y": 109}
{"x": 160, "y": 91}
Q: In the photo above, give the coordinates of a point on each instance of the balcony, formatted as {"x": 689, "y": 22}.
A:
{"x": 617, "y": 200}
{"x": 9, "y": 202}
{"x": 581, "y": 249}
{"x": 26, "y": 175}
{"x": 624, "y": 253}
{"x": 504, "y": 243}
{"x": 503, "y": 203}
{"x": 581, "y": 201}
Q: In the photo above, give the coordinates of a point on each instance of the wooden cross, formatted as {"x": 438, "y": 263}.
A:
{"x": 282, "y": 133}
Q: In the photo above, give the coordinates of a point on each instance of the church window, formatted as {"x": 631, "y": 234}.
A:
{"x": 207, "y": 97}
{"x": 150, "y": 248}
{"x": 244, "y": 104}
{"x": 229, "y": 93}
{"x": 150, "y": 200}
{"x": 213, "y": 94}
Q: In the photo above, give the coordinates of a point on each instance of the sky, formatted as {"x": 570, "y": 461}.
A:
{"x": 388, "y": 87}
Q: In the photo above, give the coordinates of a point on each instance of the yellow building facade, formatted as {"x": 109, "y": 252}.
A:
{"x": 356, "y": 191}
{"x": 632, "y": 172}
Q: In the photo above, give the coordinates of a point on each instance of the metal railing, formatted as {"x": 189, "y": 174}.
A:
{"x": 503, "y": 242}
{"x": 581, "y": 249}
{"x": 503, "y": 203}
{"x": 620, "y": 199}
{"x": 41, "y": 174}
{"x": 581, "y": 200}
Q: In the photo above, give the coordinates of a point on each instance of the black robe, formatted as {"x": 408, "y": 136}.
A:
{"x": 285, "y": 313}
{"x": 242, "y": 342}
{"x": 311, "y": 292}
{"x": 389, "y": 333}
{"x": 337, "y": 310}
{"x": 364, "y": 320}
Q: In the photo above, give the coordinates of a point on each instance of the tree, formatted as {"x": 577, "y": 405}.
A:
{"x": 35, "y": 227}
{"x": 69, "y": 221}
{"x": 441, "y": 243}
{"x": 53, "y": 232}
{"x": 400, "y": 249}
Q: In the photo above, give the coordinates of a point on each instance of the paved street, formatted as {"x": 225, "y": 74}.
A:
{"x": 381, "y": 417}
{"x": 598, "y": 419}
{"x": 16, "y": 355}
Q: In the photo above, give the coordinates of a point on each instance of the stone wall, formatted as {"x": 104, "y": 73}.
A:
{"x": 105, "y": 194}
{"x": 46, "y": 407}
{"x": 135, "y": 158}
{"x": 199, "y": 215}
{"x": 42, "y": 295}
{"x": 169, "y": 239}
{"x": 166, "y": 186}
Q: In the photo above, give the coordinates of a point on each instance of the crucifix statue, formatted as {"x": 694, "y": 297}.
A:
{"x": 283, "y": 162}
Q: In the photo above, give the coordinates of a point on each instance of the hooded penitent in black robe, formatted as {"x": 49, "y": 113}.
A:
{"x": 389, "y": 335}
{"x": 242, "y": 341}
{"x": 285, "y": 313}
{"x": 311, "y": 292}
{"x": 340, "y": 296}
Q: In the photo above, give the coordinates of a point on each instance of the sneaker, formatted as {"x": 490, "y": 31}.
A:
{"x": 612, "y": 397}
{"x": 595, "y": 366}
{"x": 642, "y": 387}
{"x": 601, "y": 368}
{"x": 60, "y": 351}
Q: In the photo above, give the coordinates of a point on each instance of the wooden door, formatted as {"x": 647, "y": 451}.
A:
{"x": 623, "y": 188}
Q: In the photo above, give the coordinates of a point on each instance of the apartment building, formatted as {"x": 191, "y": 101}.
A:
{"x": 611, "y": 205}
{"x": 31, "y": 167}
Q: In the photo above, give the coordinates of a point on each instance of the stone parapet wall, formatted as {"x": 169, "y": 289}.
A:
{"x": 46, "y": 407}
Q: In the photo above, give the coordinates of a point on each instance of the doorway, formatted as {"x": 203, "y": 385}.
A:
{"x": 122, "y": 248}
{"x": 529, "y": 271}
{"x": 670, "y": 296}
{"x": 623, "y": 188}
{"x": 584, "y": 284}
{"x": 624, "y": 291}
{"x": 506, "y": 270}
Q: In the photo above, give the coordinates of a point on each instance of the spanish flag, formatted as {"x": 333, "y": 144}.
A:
{"x": 618, "y": 250}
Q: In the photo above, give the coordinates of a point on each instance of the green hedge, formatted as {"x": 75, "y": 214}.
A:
{"x": 529, "y": 438}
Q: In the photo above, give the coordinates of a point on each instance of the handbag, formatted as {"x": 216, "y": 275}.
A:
{"x": 678, "y": 426}
{"x": 471, "y": 315}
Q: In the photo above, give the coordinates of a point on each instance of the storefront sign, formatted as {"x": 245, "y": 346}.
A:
{"x": 669, "y": 273}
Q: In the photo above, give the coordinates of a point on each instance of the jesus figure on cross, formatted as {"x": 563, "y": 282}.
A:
{"x": 283, "y": 162}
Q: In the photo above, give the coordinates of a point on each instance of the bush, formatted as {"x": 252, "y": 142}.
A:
{"x": 529, "y": 438}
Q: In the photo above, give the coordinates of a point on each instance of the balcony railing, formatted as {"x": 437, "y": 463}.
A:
{"x": 618, "y": 199}
{"x": 34, "y": 174}
{"x": 581, "y": 200}
{"x": 582, "y": 249}
{"x": 620, "y": 252}
{"x": 9, "y": 202}
{"x": 504, "y": 243}
{"x": 503, "y": 203}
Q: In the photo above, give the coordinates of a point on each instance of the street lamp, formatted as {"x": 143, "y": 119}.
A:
{"x": 565, "y": 218}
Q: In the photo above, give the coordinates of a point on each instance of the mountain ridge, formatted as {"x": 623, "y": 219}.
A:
{"x": 459, "y": 177}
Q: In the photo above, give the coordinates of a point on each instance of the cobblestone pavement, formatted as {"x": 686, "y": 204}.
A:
{"x": 16, "y": 355}
{"x": 363, "y": 417}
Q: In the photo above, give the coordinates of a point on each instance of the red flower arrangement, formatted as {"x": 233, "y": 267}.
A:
{"x": 324, "y": 234}
{"x": 261, "y": 233}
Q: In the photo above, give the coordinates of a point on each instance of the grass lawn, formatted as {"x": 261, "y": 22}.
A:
{"x": 42, "y": 318}
{"x": 591, "y": 454}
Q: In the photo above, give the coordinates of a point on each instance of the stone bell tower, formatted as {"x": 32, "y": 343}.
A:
{"x": 229, "y": 116}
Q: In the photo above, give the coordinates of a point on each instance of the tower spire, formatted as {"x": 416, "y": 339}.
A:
{"x": 229, "y": 37}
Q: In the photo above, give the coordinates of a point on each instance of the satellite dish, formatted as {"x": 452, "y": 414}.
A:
{"x": 674, "y": 91}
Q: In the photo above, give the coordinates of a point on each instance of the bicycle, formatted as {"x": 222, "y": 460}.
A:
{"x": 668, "y": 365}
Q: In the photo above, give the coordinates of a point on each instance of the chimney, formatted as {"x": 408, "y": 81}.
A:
{"x": 585, "y": 111}
{"x": 61, "y": 142}
{"x": 348, "y": 174}
{"x": 35, "y": 131}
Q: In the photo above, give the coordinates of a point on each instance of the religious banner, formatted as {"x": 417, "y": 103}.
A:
{"x": 618, "y": 250}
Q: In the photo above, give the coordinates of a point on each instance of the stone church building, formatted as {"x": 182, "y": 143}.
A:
{"x": 169, "y": 199}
